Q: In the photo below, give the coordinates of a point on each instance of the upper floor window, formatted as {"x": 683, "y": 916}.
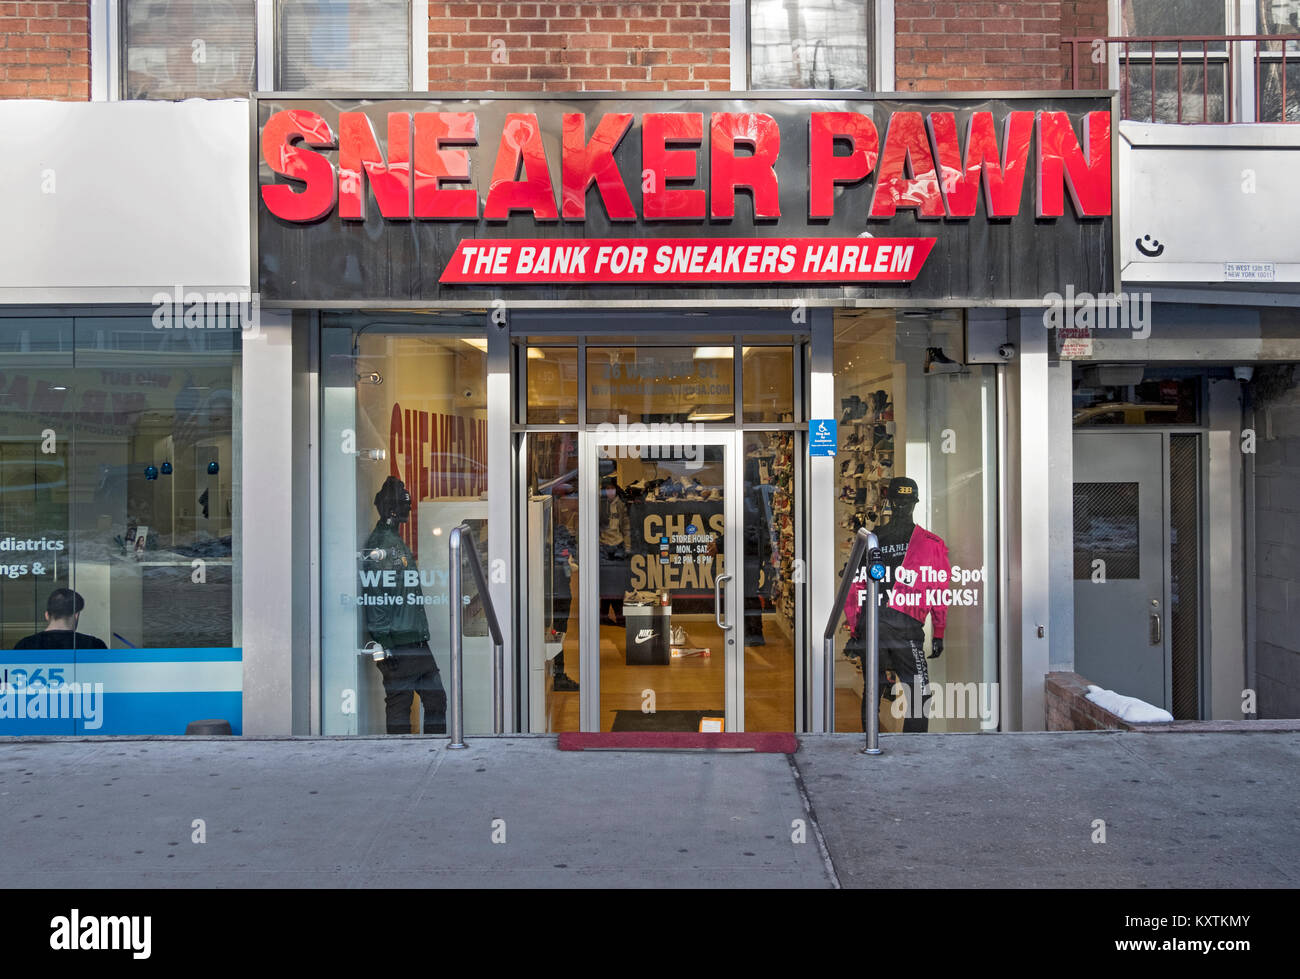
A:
{"x": 1223, "y": 68}
{"x": 177, "y": 49}
{"x": 813, "y": 44}
{"x": 343, "y": 45}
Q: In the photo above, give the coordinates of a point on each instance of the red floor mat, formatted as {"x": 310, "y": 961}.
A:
{"x": 775, "y": 742}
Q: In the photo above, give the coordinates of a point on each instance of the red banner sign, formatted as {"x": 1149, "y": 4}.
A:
{"x": 499, "y": 261}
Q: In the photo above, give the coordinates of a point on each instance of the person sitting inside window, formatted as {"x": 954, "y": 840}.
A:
{"x": 61, "y": 614}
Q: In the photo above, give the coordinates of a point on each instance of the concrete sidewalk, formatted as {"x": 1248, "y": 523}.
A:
{"x": 944, "y": 810}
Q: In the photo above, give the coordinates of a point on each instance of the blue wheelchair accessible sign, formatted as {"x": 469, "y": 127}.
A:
{"x": 821, "y": 437}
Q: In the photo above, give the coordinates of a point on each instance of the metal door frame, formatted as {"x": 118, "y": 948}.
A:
{"x": 589, "y": 549}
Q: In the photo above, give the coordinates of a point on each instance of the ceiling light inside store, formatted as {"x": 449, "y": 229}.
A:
{"x": 536, "y": 353}
{"x": 478, "y": 343}
{"x": 714, "y": 353}
{"x": 711, "y": 413}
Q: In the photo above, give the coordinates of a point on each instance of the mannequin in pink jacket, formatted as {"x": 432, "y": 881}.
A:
{"x": 906, "y": 549}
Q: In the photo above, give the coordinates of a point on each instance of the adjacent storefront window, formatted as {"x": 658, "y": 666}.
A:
{"x": 916, "y": 465}
{"x": 119, "y": 516}
{"x": 403, "y": 461}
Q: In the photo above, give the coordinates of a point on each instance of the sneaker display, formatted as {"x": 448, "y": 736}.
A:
{"x": 937, "y": 362}
{"x": 563, "y": 683}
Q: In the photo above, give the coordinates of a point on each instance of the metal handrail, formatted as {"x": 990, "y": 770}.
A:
{"x": 456, "y": 601}
{"x": 866, "y": 544}
{"x": 1220, "y": 50}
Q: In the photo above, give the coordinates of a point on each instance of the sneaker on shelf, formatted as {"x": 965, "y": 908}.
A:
{"x": 679, "y": 637}
{"x": 937, "y": 362}
{"x": 564, "y": 684}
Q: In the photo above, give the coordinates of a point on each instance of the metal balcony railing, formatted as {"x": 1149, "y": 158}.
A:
{"x": 1205, "y": 78}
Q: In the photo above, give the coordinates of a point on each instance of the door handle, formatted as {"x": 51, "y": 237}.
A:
{"x": 1157, "y": 627}
{"x": 717, "y": 600}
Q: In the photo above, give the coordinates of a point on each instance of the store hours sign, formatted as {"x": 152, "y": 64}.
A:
{"x": 718, "y": 198}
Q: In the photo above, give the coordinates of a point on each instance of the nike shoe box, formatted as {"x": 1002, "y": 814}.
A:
{"x": 649, "y": 634}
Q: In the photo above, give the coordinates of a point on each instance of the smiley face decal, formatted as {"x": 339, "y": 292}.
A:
{"x": 1154, "y": 250}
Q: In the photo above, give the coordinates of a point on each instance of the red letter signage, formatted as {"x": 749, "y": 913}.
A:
{"x": 285, "y": 157}
{"x": 359, "y": 158}
{"x": 757, "y": 171}
{"x": 907, "y": 149}
{"x": 582, "y": 163}
{"x": 658, "y": 129}
{"x": 521, "y": 148}
{"x": 1003, "y": 175}
{"x": 825, "y": 169}
{"x": 1061, "y": 162}
{"x": 433, "y": 164}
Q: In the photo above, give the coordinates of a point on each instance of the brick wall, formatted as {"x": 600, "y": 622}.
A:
{"x": 1068, "y": 708}
{"x": 45, "y": 51}
{"x": 1277, "y": 554}
{"x": 1084, "y": 18}
{"x": 533, "y": 47}
{"x": 989, "y": 46}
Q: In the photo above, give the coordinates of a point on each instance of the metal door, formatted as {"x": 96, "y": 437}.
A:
{"x": 1121, "y": 563}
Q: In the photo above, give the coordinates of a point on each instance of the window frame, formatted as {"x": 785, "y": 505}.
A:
{"x": 882, "y": 27}
{"x": 108, "y": 63}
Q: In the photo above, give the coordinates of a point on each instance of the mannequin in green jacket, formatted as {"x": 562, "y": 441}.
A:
{"x": 400, "y": 628}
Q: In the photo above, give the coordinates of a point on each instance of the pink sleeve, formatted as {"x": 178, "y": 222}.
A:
{"x": 940, "y": 612}
{"x": 852, "y": 604}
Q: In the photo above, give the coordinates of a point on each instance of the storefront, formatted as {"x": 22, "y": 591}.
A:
{"x": 664, "y": 356}
{"x": 601, "y": 332}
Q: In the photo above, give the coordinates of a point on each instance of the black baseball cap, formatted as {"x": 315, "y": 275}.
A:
{"x": 903, "y": 489}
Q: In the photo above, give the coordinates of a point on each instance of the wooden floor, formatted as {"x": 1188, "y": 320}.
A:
{"x": 689, "y": 683}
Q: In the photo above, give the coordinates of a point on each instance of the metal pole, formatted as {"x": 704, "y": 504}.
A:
{"x": 856, "y": 554}
{"x": 871, "y": 661}
{"x": 455, "y": 601}
{"x": 871, "y": 666}
{"x": 828, "y": 688}
{"x": 498, "y": 688}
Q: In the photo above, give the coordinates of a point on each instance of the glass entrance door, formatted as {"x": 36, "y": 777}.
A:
{"x": 661, "y": 649}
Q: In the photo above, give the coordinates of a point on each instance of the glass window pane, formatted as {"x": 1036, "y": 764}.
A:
{"x": 1100, "y": 399}
{"x": 1106, "y": 529}
{"x": 661, "y": 521}
{"x": 554, "y": 610}
{"x": 552, "y": 382}
{"x": 823, "y": 44}
{"x": 119, "y": 501}
{"x": 180, "y": 49}
{"x": 1279, "y": 17}
{"x": 767, "y": 383}
{"x": 344, "y": 45}
{"x": 916, "y": 466}
{"x": 410, "y": 411}
{"x": 660, "y": 384}
{"x": 1202, "y": 98}
{"x": 1164, "y": 18}
{"x": 770, "y": 580}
